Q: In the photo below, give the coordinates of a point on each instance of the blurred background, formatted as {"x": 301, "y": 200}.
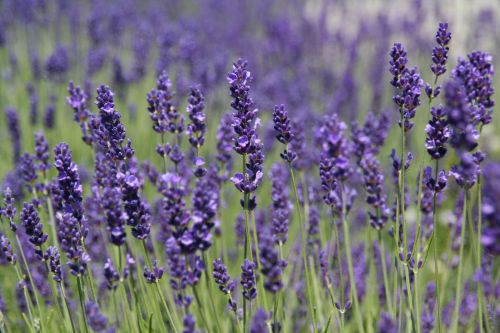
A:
{"x": 314, "y": 56}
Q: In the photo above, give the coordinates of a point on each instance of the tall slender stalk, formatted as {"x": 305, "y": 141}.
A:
{"x": 303, "y": 249}
{"x": 436, "y": 261}
{"x": 81, "y": 296}
{"x": 458, "y": 293}
{"x": 480, "y": 292}
{"x": 165, "y": 305}
{"x": 347, "y": 244}
{"x": 67, "y": 308}
{"x": 384, "y": 272}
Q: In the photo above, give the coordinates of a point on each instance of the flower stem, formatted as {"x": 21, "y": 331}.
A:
{"x": 303, "y": 250}
{"x": 480, "y": 294}
{"x": 347, "y": 245}
{"x": 81, "y": 296}
{"x": 67, "y": 308}
{"x": 164, "y": 302}
{"x": 436, "y": 240}
{"x": 458, "y": 293}
{"x": 384, "y": 273}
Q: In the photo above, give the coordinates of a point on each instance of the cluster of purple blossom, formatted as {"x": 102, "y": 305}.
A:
{"x": 139, "y": 237}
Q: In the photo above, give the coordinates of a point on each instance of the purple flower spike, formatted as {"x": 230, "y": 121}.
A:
{"x": 96, "y": 320}
{"x": 111, "y": 275}
{"x": 259, "y": 322}
{"x": 9, "y": 209}
{"x": 110, "y": 132}
{"x": 137, "y": 210}
{"x": 189, "y": 324}
{"x": 244, "y": 118}
{"x": 222, "y": 278}
{"x": 438, "y": 133}
{"x": 248, "y": 280}
{"x": 283, "y": 127}
{"x": 281, "y": 205}
{"x": 32, "y": 226}
{"x": 27, "y": 169}
{"x": 440, "y": 52}
{"x": 42, "y": 153}
{"x": 68, "y": 185}
{"x": 12, "y": 120}
{"x": 272, "y": 265}
{"x": 7, "y": 250}
{"x": 466, "y": 172}
{"x": 155, "y": 275}
{"x": 161, "y": 109}
{"x": 77, "y": 100}
{"x": 196, "y": 128}
{"x": 52, "y": 254}
{"x": 374, "y": 183}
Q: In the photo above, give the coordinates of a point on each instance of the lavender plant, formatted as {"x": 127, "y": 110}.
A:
{"x": 265, "y": 199}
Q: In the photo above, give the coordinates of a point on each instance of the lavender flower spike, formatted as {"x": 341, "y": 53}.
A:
{"x": 196, "y": 128}
{"x": 7, "y": 250}
{"x": 283, "y": 127}
{"x": 53, "y": 256}
{"x": 111, "y": 275}
{"x": 9, "y": 209}
{"x": 440, "y": 52}
{"x": 222, "y": 278}
{"x": 438, "y": 133}
{"x": 248, "y": 280}
{"x": 110, "y": 132}
{"x": 33, "y": 227}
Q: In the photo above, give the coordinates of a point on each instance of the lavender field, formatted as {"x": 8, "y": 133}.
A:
{"x": 249, "y": 166}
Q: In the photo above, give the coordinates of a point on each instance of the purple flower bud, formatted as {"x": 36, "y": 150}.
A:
{"x": 440, "y": 52}
{"x": 77, "y": 100}
{"x": 111, "y": 275}
{"x": 248, "y": 280}
{"x": 196, "y": 128}
{"x": 155, "y": 275}
{"x": 32, "y": 226}
{"x": 161, "y": 109}
{"x": 222, "y": 278}
{"x": 110, "y": 133}
{"x": 259, "y": 322}
{"x": 52, "y": 254}
{"x": 12, "y": 120}
{"x": 374, "y": 183}
{"x": 7, "y": 250}
{"x": 189, "y": 324}
{"x": 9, "y": 209}
{"x": 42, "y": 153}
{"x": 437, "y": 133}
{"x": 96, "y": 320}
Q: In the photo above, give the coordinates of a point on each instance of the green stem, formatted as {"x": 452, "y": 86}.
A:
{"x": 29, "y": 305}
{"x": 435, "y": 245}
{"x": 79, "y": 282}
{"x": 257, "y": 255}
{"x": 402, "y": 186}
{"x": 347, "y": 245}
{"x": 210, "y": 294}
{"x": 200, "y": 307}
{"x": 341, "y": 272}
{"x": 384, "y": 272}
{"x": 164, "y": 302}
{"x": 417, "y": 300}
{"x": 458, "y": 293}
{"x": 35, "y": 291}
{"x": 410, "y": 297}
{"x": 480, "y": 294}
{"x": 68, "y": 312}
{"x": 303, "y": 249}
